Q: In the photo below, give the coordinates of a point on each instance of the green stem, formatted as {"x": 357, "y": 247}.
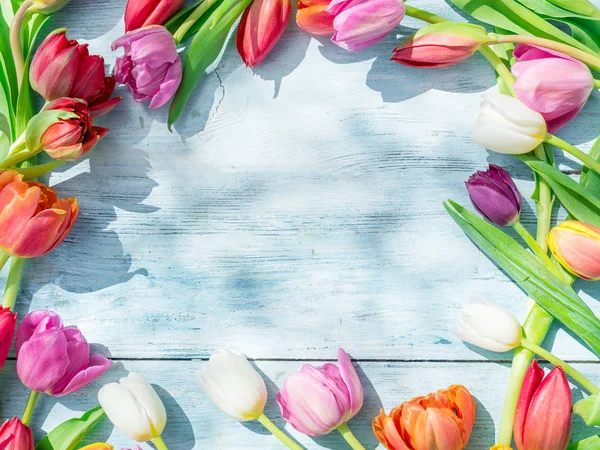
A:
{"x": 570, "y": 370}
{"x": 580, "y": 155}
{"x": 538, "y": 250}
{"x": 597, "y": 84}
{"x": 16, "y": 45}
{"x": 587, "y": 58}
{"x": 4, "y": 257}
{"x": 159, "y": 443}
{"x": 192, "y": 19}
{"x": 13, "y": 282}
{"x": 279, "y": 434}
{"x": 29, "y": 407}
{"x": 350, "y": 438}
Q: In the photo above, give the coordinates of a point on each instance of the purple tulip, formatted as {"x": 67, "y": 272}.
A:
{"x": 54, "y": 359}
{"x": 317, "y": 400}
{"x": 551, "y": 83}
{"x": 151, "y": 66}
{"x": 359, "y": 24}
{"x": 495, "y": 195}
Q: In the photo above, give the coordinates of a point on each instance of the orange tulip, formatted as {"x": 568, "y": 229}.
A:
{"x": 32, "y": 219}
{"x": 313, "y": 18}
{"x": 442, "y": 420}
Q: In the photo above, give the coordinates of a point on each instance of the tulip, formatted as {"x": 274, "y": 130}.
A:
{"x": 54, "y": 359}
{"x": 134, "y": 407}
{"x": 8, "y": 322}
{"x": 442, "y": 420}
{"x": 14, "y": 435}
{"x": 260, "y": 28}
{"x": 69, "y": 139}
{"x": 98, "y": 446}
{"x": 318, "y": 400}
{"x": 33, "y": 221}
{"x": 141, "y": 13}
{"x": 63, "y": 68}
{"x": 489, "y": 326}
{"x": 313, "y": 17}
{"x": 151, "y": 66}
{"x": 506, "y": 125}
{"x": 358, "y": 24}
{"x": 441, "y": 45}
{"x": 543, "y": 417}
{"x": 551, "y": 83}
{"x": 576, "y": 245}
{"x": 47, "y": 7}
{"x": 495, "y": 195}
{"x": 234, "y": 386}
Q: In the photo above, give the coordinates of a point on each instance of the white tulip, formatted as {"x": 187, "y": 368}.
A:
{"x": 489, "y": 326}
{"x": 234, "y": 386}
{"x": 506, "y": 125}
{"x": 134, "y": 407}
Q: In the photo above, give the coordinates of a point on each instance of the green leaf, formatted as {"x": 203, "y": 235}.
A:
{"x": 204, "y": 50}
{"x": 583, "y": 7}
{"x": 512, "y": 16}
{"x": 589, "y": 410}
{"x": 70, "y": 433}
{"x": 556, "y": 297}
{"x": 546, "y": 8}
{"x": 39, "y": 170}
{"x": 38, "y": 125}
{"x": 591, "y": 443}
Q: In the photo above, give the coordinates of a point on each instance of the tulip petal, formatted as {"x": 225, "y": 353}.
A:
{"x": 149, "y": 400}
{"x": 42, "y": 360}
{"x": 437, "y": 429}
{"x": 96, "y": 366}
{"x": 315, "y": 20}
{"x": 89, "y": 79}
{"x": 40, "y": 233}
{"x": 15, "y": 216}
{"x": 532, "y": 380}
{"x": 103, "y": 108}
{"x": 386, "y": 432}
{"x": 36, "y": 322}
{"x": 352, "y": 382}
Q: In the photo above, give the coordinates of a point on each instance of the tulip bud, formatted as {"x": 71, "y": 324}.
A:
{"x": 8, "y": 322}
{"x": 313, "y": 17}
{"x": 318, "y": 400}
{"x": 489, "y": 326}
{"x": 47, "y": 7}
{"x": 543, "y": 416}
{"x": 142, "y": 13}
{"x": 15, "y": 436}
{"x": 495, "y": 195}
{"x": 551, "y": 83}
{"x": 506, "y": 125}
{"x": 234, "y": 386}
{"x": 260, "y": 28}
{"x": 359, "y": 24}
{"x": 134, "y": 407}
{"x": 441, "y": 45}
{"x": 576, "y": 245}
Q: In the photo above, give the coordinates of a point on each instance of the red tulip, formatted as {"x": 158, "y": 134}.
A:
{"x": 69, "y": 139}
{"x": 141, "y": 13}
{"x": 63, "y": 68}
{"x": 543, "y": 417}
{"x": 15, "y": 436}
{"x": 7, "y": 331}
{"x": 33, "y": 220}
{"x": 261, "y": 27}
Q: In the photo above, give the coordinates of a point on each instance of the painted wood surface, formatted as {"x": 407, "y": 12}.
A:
{"x": 296, "y": 208}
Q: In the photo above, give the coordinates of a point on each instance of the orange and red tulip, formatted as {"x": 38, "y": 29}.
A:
{"x": 33, "y": 220}
{"x": 313, "y": 17}
{"x": 442, "y": 420}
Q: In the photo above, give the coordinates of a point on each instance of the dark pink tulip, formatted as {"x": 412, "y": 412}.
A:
{"x": 141, "y": 13}
{"x": 15, "y": 436}
{"x": 54, "y": 359}
{"x": 7, "y": 331}
{"x": 495, "y": 195}
{"x": 543, "y": 417}
{"x": 551, "y": 83}
{"x": 151, "y": 66}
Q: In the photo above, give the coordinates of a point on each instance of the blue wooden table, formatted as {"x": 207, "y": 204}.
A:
{"x": 297, "y": 208}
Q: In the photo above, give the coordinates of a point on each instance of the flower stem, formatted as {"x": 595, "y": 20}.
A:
{"x": 159, "y": 443}
{"x": 538, "y": 250}
{"x": 13, "y": 282}
{"x": 4, "y": 257}
{"x": 570, "y": 370}
{"x": 587, "y": 58}
{"x": 16, "y": 45}
{"x": 579, "y": 154}
{"x": 597, "y": 84}
{"x": 31, "y": 401}
{"x": 279, "y": 434}
{"x": 350, "y": 438}
{"x": 192, "y": 19}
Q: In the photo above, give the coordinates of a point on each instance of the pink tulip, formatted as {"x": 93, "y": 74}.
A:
{"x": 359, "y": 24}
{"x": 543, "y": 417}
{"x": 151, "y": 66}
{"x": 576, "y": 245}
{"x": 8, "y": 322}
{"x": 15, "y": 436}
{"x": 317, "y": 400}
{"x": 551, "y": 83}
{"x": 63, "y": 68}
{"x": 141, "y": 13}
{"x": 54, "y": 359}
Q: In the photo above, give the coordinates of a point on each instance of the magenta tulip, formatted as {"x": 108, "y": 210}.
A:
{"x": 359, "y": 24}
{"x": 151, "y": 66}
{"x": 318, "y": 400}
{"x": 8, "y": 322}
{"x": 551, "y": 83}
{"x": 15, "y": 436}
{"x": 54, "y": 359}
